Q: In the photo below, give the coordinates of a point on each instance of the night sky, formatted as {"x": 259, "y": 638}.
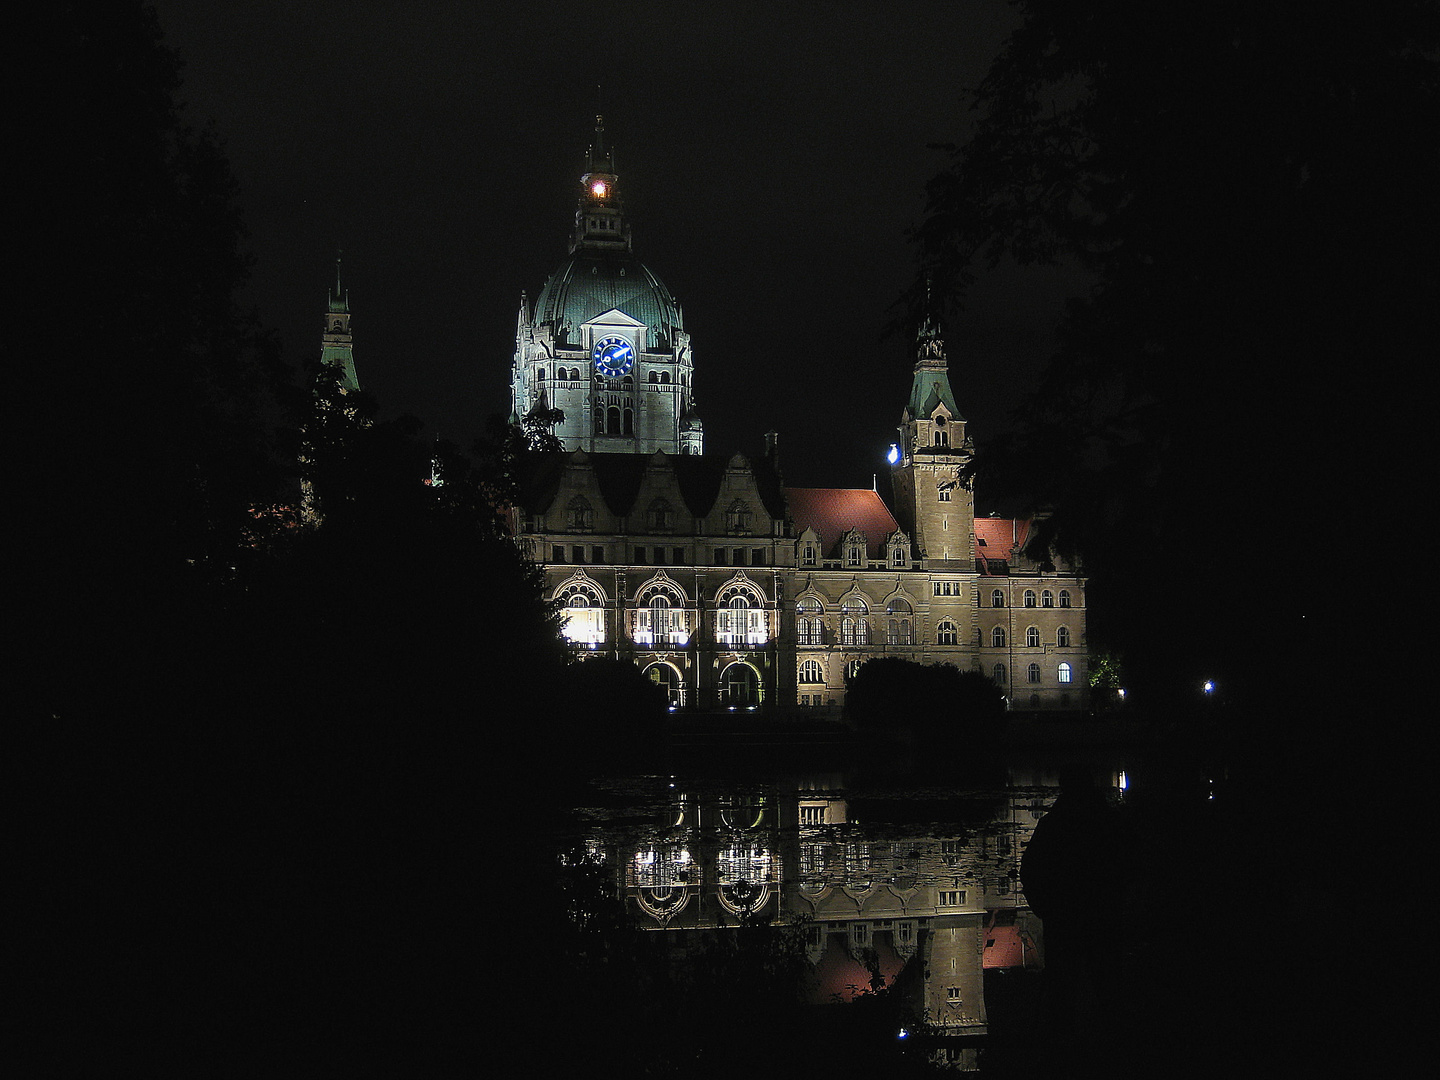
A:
{"x": 771, "y": 160}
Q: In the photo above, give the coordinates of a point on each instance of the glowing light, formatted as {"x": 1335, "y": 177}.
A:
{"x": 599, "y": 189}
{"x": 903, "y": 1034}
{"x": 1209, "y": 687}
{"x": 1123, "y": 782}
{"x": 894, "y": 454}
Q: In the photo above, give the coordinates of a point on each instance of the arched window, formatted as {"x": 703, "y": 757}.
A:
{"x": 1047, "y": 599}
{"x": 899, "y": 627}
{"x": 1029, "y": 597}
{"x": 1032, "y": 673}
{"x": 811, "y": 672}
{"x": 665, "y": 377}
{"x": 739, "y": 687}
{"x": 997, "y": 598}
{"x": 628, "y": 422}
{"x": 854, "y": 629}
{"x": 540, "y": 374}
{"x": 582, "y": 618}
{"x": 1032, "y": 637}
{"x": 948, "y": 634}
{"x": 739, "y": 620}
{"x": 669, "y": 680}
{"x": 1064, "y": 597}
{"x": 809, "y": 626}
{"x": 612, "y": 420}
{"x": 1001, "y": 675}
{"x": 1065, "y": 672}
{"x": 997, "y": 637}
{"x": 1062, "y": 637}
{"x": 654, "y": 376}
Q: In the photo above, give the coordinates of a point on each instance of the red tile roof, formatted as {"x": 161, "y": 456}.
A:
{"x": 996, "y": 540}
{"x": 832, "y": 512}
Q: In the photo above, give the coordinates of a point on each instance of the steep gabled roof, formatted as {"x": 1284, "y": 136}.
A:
{"x": 832, "y": 512}
{"x": 999, "y": 543}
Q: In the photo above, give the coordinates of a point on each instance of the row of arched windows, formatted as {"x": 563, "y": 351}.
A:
{"x": 1045, "y": 598}
{"x": 1064, "y": 674}
{"x": 739, "y": 686}
{"x": 575, "y": 374}
{"x": 1063, "y": 639}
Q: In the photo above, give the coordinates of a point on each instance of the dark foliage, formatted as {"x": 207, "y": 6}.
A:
{"x": 928, "y": 703}
{"x": 1249, "y": 193}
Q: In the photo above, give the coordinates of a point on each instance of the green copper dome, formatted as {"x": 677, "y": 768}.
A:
{"x": 591, "y": 282}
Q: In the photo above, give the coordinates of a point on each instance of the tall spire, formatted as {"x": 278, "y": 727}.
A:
{"x": 337, "y": 346}
{"x": 600, "y": 218}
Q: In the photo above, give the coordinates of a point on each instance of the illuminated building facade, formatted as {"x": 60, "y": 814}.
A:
{"x": 728, "y": 588}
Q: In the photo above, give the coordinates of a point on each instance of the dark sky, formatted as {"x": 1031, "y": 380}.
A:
{"x": 771, "y": 160}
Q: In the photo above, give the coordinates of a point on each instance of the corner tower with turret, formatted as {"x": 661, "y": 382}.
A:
{"x": 604, "y": 342}
{"x": 933, "y": 504}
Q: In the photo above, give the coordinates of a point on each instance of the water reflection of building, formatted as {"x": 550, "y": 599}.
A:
{"x": 728, "y": 588}
{"x": 873, "y": 896}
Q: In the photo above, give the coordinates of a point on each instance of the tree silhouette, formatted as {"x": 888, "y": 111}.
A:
{"x": 1247, "y": 195}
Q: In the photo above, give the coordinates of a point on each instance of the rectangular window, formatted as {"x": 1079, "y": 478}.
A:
{"x": 757, "y": 557}
{"x": 640, "y": 556}
{"x": 597, "y": 554}
{"x": 577, "y": 554}
{"x": 678, "y": 556}
{"x": 719, "y": 556}
{"x": 812, "y": 815}
{"x": 739, "y": 556}
{"x": 952, "y": 897}
{"x": 557, "y": 553}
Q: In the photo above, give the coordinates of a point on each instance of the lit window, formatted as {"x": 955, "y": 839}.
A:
{"x": 809, "y": 627}
{"x": 582, "y": 619}
{"x": 1065, "y": 673}
{"x": 739, "y": 620}
{"x": 854, "y": 629}
{"x": 811, "y": 672}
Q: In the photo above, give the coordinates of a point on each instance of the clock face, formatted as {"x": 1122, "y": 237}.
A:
{"x": 614, "y": 355}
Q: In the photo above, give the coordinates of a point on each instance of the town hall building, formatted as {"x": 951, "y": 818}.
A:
{"x": 726, "y": 587}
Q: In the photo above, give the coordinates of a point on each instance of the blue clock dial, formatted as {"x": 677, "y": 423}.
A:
{"x": 614, "y": 355}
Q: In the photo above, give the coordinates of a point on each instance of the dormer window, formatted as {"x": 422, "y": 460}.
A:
{"x": 658, "y": 517}
{"x": 579, "y": 517}
{"x": 738, "y": 518}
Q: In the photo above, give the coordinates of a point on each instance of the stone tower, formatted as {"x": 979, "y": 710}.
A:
{"x": 932, "y": 504}
{"x": 605, "y": 342}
